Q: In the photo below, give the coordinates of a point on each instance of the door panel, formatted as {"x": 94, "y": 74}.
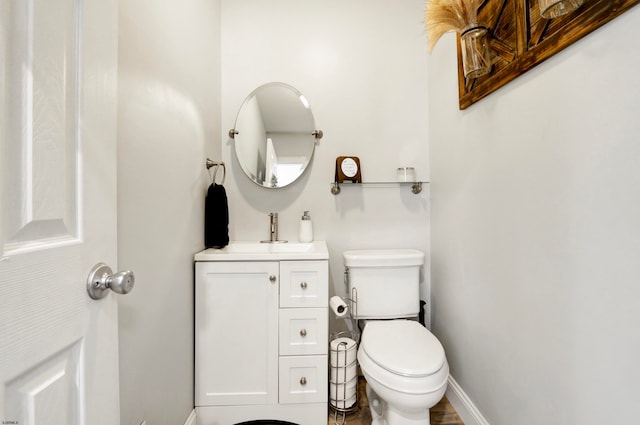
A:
{"x": 49, "y": 392}
{"x": 41, "y": 126}
{"x": 59, "y": 351}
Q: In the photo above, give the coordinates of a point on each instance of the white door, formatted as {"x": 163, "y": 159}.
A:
{"x": 58, "y": 347}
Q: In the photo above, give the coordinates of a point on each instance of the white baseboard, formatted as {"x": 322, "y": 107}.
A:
{"x": 467, "y": 411}
{"x": 191, "y": 420}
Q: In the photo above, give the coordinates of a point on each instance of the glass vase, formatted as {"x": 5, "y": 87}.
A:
{"x": 476, "y": 53}
{"x": 550, "y": 9}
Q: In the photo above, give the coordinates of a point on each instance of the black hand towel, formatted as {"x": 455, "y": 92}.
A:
{"x": 216, "y": 217}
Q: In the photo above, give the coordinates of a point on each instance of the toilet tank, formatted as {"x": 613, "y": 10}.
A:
{"x": 384, "y": 284}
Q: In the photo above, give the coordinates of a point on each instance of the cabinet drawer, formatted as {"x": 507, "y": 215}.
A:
{"x": 303, "y": 379}
{"x": 304, "y": 284}
{"x": 303, "y": 331}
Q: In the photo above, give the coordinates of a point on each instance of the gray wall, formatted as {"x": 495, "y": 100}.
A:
{"x": 363, "y": 67}
{"x": 169, "y": 118}
{"x": 536, "y": 234}
{"x": 185, "y": 69}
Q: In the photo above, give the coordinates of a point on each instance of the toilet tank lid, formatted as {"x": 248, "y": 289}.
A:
{"x": 403, "y": 347}
{"x": 383, "y": 258}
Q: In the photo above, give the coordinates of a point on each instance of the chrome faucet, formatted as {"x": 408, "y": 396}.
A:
{"x": 273, "y": 229}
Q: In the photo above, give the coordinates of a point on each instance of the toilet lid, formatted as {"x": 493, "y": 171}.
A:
{"x": 403, "y": 347}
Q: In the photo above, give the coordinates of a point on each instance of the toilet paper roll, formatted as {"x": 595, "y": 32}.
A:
{"x": 343, "y": 352}
{"x": 338, "y": 306}
{"x": 343, "y": 391}
{"x": 344, "y": 404}
{"x": 342, "y": 374}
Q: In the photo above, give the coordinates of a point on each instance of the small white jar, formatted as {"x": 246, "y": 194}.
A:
{"x": 406, "y": 174}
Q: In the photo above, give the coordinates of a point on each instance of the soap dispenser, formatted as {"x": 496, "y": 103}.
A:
{"x": 306, "y": 228}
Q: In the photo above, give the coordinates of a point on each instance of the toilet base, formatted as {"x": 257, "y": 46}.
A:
{"x": 383, "y": 414}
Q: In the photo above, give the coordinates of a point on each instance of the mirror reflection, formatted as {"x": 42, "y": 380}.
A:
{"x": 274, "y": 135}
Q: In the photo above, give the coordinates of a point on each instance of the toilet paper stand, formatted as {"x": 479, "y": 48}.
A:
{"x": 343, "y": 376}
{"x": 347, "y": 309}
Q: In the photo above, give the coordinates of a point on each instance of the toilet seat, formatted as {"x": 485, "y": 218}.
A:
{"x": 403, "y": 356}
{"x": 403, "y": 347}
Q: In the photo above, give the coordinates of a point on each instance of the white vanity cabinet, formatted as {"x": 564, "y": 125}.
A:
{"x": 261, "y": 338}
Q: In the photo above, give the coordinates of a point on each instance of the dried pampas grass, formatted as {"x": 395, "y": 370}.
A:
{"x": 449, "y": 15}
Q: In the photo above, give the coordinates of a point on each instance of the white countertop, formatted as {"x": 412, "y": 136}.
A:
{"x": 257, "y": 251}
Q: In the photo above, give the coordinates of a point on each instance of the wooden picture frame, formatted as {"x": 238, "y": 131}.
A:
{"x": 348, "y": 169}
{"x": 520, "y": 39}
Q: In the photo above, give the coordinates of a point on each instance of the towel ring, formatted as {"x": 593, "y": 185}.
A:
{"x": 217, "y": 165}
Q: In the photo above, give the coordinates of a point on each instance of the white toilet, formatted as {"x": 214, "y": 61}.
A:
{"x": 404, "y": 364}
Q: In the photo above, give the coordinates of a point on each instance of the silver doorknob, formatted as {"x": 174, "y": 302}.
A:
{"x": 101, "y": 279}
{"x": 303, "y": 285}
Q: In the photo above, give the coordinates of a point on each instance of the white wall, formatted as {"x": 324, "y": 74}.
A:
{"x": 362, "y": 66}
{"x": 536, "y": 234}
{"x": 168, "y": 124}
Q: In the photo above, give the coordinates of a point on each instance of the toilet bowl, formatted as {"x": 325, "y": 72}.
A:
{"x": 406, "y": 371}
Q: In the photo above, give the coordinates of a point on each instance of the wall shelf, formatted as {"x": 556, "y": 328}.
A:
{"x": 416, "y": 187}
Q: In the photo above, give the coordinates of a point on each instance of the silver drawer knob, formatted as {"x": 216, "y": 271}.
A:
{"x": 303, "y": 285}
{"x": 303, "y": 332}
{"x": 272, "y": 279}
{"x": 303, "y": 381}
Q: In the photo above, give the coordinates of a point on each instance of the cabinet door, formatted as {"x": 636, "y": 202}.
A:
{"x": 236, "y": 333}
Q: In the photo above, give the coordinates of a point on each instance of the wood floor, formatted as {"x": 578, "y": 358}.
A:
{"x": 442, "y": 413}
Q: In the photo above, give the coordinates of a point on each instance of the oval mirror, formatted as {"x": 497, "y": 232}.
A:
{"x": 274, "y": 135}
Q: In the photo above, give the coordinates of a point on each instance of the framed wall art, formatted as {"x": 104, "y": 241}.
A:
{"x": 520, "y": 38}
